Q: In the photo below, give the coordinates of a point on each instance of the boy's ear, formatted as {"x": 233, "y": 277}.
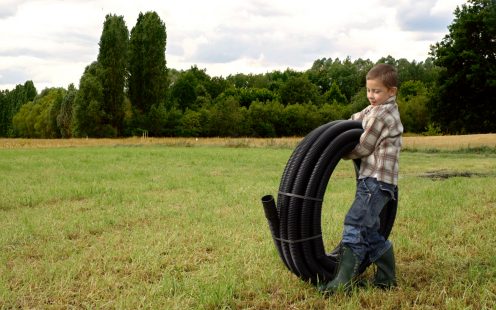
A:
{"x": 393, "y": 91}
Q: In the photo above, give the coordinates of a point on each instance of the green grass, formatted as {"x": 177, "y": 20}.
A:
{"x": 183, "y": 228}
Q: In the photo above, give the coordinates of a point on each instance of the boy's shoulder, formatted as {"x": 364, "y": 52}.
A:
{"x": 367, "y": 110}
{"x": 388, "y": 113}
{"x": 388, "y": 108}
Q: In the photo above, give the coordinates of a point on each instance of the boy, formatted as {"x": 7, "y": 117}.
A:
{"x": 378, "y": 150}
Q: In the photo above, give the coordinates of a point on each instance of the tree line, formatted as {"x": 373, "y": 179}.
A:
{"x": 129, "y": 90}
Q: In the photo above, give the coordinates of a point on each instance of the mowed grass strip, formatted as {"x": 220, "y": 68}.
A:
{"x": 409, "y": 142}
{"x": 182, "y": 228}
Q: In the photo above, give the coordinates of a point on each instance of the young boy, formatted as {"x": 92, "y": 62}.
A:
{"x": 378, "y": 150}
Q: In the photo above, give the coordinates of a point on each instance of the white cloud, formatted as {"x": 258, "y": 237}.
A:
{"x": 426, "y": 15}
{"x": 9, "y": 8}
{"x": 446, "y": 7}
{"x": 52, "y": 41}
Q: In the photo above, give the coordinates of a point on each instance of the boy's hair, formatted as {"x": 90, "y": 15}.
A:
{"x": 387, "y": 74}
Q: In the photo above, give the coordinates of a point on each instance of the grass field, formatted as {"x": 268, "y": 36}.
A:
{"x": 147, "y": 225}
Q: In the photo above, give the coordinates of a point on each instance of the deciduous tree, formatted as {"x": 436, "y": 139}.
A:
{"x": 467, "y": 85}
{"x": 37, "y": 118}
{"x": 299, "y": 90}
{"x": 64, "y": 117}
{"x": 11, "y": 102}
{"x": 88, "y": 113}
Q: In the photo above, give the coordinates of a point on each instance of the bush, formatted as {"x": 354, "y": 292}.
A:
{"x": 226, "y": 118}
{"x": 265, "y": 119}
{"x": 331, "y": 112}
{"x": 300, "y": 119}
{"x": 191, "y": 124}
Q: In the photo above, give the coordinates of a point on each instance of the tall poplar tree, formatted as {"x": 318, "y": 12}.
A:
{"x": 112, "y": 57}
{"x": 147, "y": 67}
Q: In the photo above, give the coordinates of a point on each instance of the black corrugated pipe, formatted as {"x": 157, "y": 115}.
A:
{"x": 295, "y": 223}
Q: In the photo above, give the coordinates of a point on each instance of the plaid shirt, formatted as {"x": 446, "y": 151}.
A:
{"x": 380, "y": 143}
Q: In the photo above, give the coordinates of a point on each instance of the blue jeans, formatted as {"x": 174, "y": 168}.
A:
{"x": 362, "y": 222}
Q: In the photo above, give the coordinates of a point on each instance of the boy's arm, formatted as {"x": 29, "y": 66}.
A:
{"x": 357, "y": 116}
{"x": 368, "y": 139}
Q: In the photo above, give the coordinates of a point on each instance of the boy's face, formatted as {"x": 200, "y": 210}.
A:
{"x": 377, "y": 93}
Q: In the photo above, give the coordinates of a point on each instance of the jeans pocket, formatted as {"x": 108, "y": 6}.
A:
{"x": 388, "y": 189}
{"x": 365, "y": 190}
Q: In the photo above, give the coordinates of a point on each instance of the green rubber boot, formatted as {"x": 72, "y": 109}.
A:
{"x": 385, "y": 275}
{"x": 347, "y": 271}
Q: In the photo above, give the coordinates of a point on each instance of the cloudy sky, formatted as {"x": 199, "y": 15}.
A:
{"x": 51, "y": 41}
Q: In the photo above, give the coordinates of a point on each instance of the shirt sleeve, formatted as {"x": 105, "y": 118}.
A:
{"x": 357, "y": 116}
{"x": 368, "y": 140}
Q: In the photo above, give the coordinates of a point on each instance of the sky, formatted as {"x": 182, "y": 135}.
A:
{"x": 51, "y": 41}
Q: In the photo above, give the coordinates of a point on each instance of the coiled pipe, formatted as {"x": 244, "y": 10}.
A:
{"x": 295, "y": 220}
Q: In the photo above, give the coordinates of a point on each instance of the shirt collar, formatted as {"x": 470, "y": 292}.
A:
{"x": 391, "y": 99}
